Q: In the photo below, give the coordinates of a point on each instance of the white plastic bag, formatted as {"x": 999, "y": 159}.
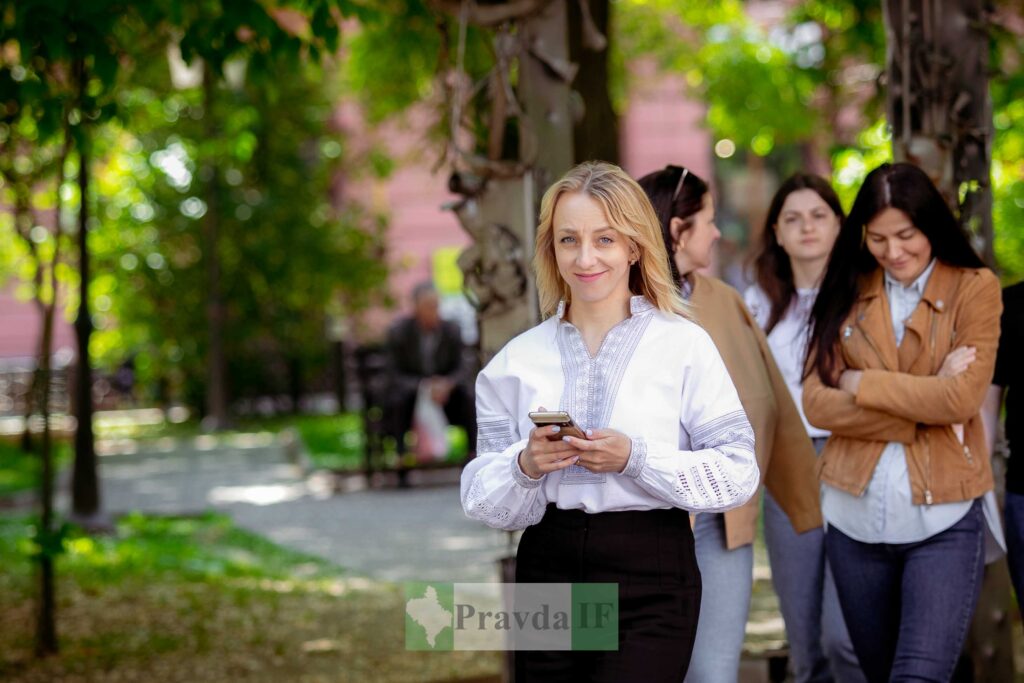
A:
{"x": 430, "y": 425}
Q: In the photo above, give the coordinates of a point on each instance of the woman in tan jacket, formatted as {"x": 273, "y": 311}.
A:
{"x": 900, "y": 358}
{"x": 785, "y": 455}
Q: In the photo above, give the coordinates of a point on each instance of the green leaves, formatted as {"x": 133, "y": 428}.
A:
{"x": 757, "y": 95}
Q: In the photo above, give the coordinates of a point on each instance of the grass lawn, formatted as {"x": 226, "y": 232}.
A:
{"x": 197, "y": 599}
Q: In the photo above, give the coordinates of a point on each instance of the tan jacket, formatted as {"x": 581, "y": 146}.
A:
{"x": 900, "y": 398}
{"x": 784, "y": 452}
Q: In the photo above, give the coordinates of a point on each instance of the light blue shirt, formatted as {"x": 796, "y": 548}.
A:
{"x": 886, "y": 512}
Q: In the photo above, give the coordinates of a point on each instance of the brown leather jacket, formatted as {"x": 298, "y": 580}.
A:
{"x": 784, "y": 452}
{"x": 901, "y": 399}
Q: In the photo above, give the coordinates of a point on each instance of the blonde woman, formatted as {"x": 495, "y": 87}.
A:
{"x": 666, "y": 433}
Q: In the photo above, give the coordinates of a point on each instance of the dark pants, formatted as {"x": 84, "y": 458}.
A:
{"x": 459, "y": 409}
{"x": 650, "y": 555}
{"x": 908, "y": 606}
{"x": 820, "y": 650}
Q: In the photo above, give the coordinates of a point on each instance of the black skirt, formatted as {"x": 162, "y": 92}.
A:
{"x": 650, "y": 555}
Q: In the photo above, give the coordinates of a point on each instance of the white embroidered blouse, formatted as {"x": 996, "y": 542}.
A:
{"x": 657, "y": 378}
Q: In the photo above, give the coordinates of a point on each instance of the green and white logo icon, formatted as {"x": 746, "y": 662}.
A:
{"x": 509, "y": 616}
{"x": 429, "y": 616}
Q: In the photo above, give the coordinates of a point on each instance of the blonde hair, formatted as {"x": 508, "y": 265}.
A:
{"x": 630, "y": 212}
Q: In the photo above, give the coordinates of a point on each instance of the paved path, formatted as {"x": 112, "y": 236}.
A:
{"x": 416, "y": 533}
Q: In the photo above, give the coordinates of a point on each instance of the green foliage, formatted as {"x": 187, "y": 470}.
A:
{"x": 393, "y": 56}
{"x": 756, "y": 93}
{"x": 287, "y": 257}
{"x": 400, "y": 53}
{"x": 1008, "y": 154}
{"x": 20, "y": 471}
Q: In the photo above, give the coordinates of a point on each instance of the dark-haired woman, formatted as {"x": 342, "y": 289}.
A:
{"x": 900, "y": 357}
{"x": 801, "y": 227}
{"x": 724, "y": 542}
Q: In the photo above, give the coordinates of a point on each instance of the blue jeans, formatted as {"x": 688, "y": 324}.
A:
{"x": 909, "y": 605}
{"x": 1013, "y": 514}
{"x": 727, "y": 577}
{"x": 819, "y": 644}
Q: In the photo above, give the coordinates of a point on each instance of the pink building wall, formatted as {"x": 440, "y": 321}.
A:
{"x": 19, "y": 331}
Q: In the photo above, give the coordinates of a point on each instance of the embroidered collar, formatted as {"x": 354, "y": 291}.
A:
{"x": 637, "y": 304}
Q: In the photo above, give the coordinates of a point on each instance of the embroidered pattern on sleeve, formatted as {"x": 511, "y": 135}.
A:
{"x": 494, "y": 435}
{"x": 709, "y": 487}
{"x": 521, "y": 478}
{"x": 637, "y": 458}
{"x": 709, "y": 484}
{"x": 479, "y": 507}
{"x": 732, "y": 427}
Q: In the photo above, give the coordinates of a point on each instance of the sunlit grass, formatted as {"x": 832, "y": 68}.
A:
{"x": 197, "y": 599}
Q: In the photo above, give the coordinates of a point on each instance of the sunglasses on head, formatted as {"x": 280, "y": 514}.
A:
{"x": 679, "y": 185}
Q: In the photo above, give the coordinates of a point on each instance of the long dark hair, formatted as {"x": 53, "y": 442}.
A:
{"x": 672, "y": 199}
{"x": 899, "y": 186}
{"x": 772, "y": 269}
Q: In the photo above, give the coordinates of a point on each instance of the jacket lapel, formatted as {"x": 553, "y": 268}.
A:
{"x": 875, "y": 321}
{"x": 920, "y": 330}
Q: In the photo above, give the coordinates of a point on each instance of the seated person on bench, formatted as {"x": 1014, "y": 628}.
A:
{"x": 425, "y": 347}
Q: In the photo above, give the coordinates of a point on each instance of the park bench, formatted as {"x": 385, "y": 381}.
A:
{"x": 379, "y": 423}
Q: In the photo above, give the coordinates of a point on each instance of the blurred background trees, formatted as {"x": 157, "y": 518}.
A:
{"x": 179, "y": 180}
{"x": 206, "y": 137}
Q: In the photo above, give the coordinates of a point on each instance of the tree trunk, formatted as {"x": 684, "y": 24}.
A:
{"x": 545, "y": 73}
{"x": 340, "y": 374}
{"x": 46, "y": 621}
{"x": 939, "y": 105}
{"x": 85, "y": 485}
{"x": 596, "y": 133}
{"x": 296, "y": 385}
{"x": 941, "y": 118}
{"x": 46, "y": 618}
{"x": 216, "y": 361}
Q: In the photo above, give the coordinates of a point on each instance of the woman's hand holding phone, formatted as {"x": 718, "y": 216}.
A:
{"x": 604, "y": 450}
{"x": 545, "y": 452}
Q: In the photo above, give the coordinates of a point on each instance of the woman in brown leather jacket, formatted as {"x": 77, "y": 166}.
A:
{"x": 900, "y": 357}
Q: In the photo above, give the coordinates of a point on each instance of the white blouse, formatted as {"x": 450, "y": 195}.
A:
{"x": 788, "y": 341}
{"x": 657, "y": 378}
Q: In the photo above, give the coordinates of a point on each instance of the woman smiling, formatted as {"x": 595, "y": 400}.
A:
{"x": 901, "y": 355}
{"x": 665, "y": 431}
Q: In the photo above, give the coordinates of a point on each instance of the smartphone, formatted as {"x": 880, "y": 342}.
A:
{"x": 560, "y": 418}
